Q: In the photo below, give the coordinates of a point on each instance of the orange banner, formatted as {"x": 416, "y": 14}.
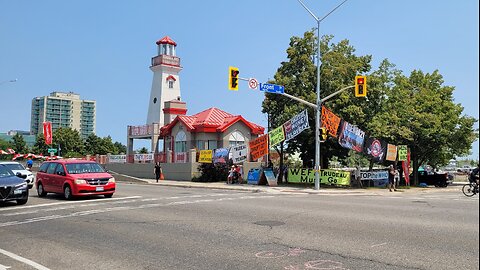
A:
{"x": 391, "y": 152}
{"x": 330, "y": 121}
{"x": 258, "y": 147}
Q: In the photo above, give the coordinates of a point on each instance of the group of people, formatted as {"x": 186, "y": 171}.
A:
{"x": 235, "y": 175}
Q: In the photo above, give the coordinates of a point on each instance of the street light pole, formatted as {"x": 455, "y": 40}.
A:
{"x": 319, "y": 104}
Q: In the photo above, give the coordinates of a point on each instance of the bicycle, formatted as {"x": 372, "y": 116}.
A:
{"x": 470, "y": 189}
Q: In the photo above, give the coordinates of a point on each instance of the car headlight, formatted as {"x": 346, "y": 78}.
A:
{"x": 21, "y": 186}
{"x": 80, "y": 181}
{"x": 111, "y": 180}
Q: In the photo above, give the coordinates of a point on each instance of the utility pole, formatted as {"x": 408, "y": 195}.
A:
{"x": 319, "y": 104}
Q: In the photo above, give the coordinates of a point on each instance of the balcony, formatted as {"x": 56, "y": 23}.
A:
{"x": 166, "y": 60}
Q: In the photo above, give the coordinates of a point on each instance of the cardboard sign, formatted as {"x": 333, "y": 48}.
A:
{"x": 276, "y": 136}
{"x": 258, "y": 147}
{"x": 391, "y": 152}
{"x": 402, "y": 152}
{"x": 296, "y": 125}
{"x": 328, "y": 177}
{"x": 205, "y": 156}
{"x": 239, "y": 153}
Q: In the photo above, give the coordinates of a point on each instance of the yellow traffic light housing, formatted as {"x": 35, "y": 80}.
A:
{"x": 233, "y": 78}
{"x": 360, "y": 86}
{"x": 323, "y": 134}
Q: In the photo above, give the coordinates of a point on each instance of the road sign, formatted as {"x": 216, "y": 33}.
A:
{"x": 272, "y": 88}
{"x": 252, "y": 83}
{"x": 52, "y": 150}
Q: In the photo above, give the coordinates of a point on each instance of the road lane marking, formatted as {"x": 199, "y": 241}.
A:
{"x": 123, "y": 208}
{"x": 23, "y": 260}
{"x": 69, "y": 202}
{"x": 378, "y": 245}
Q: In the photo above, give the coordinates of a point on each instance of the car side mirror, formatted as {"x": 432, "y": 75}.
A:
{"x": 23, "y": 176}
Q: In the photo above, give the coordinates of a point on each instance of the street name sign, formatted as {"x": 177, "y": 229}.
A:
{"x": 272, "y": 88}
{"x": 52, "y": 150}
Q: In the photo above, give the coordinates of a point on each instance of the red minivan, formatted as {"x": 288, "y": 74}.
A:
{"x": 74, "y": 178}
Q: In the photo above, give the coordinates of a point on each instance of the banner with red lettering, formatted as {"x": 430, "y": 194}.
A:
{"x": 330, "y": 121}
{"x": 47, "y": 132}
{"x": 258, "y": 147}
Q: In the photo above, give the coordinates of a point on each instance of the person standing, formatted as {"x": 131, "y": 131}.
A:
{"x": 391, "y": 178}
{"x": 358, "y": 177}
{"x": 157, "y": 170}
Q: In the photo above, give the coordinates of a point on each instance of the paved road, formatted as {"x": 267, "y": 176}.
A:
{"x": 164, "y": 227}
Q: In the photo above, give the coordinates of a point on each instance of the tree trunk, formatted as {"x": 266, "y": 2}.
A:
{"x": 415, "y": 168}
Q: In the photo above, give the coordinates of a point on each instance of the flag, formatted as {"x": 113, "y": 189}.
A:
{"x": 3, "y": 152}
{"x": 11, "y": 151}
{"x": 47, "y": 132}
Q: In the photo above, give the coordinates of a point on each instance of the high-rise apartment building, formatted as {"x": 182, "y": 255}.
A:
{"x": 65, "y": 110}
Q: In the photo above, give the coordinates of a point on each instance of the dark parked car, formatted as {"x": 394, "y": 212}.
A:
{"x": 433, "y": 178}
{"x": 12, "y": 187}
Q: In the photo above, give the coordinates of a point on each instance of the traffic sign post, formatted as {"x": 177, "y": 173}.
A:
{"x": 272, "y": 88}
{"x": 252, "y": 83}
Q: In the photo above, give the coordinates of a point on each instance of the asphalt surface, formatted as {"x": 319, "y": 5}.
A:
{"x": 174, "y": 225}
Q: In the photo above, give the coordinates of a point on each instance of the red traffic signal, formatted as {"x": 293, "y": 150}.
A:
{"x": 360, "y": 86}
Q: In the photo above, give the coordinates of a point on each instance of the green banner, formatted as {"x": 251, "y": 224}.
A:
{"x": 402, "y": 152}
{"x": 276, "y": 136}
{"x": 327, "y": 177}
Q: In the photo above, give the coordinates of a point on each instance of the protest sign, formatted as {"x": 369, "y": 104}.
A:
{"x": 205, "y": 156}
{"x": 276, "y": 136}
{"x": 239, "y": 153}
{"x": 296, "y": 125}
{"x": 258, "y": 147}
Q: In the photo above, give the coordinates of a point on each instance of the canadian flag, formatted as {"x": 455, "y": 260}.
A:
{"x": 11, "y": 151}
{"x": 3, "y": 152}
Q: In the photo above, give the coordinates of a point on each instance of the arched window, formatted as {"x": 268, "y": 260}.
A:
{"x": 181, "y": 142}
{"x": 236, "y": 138}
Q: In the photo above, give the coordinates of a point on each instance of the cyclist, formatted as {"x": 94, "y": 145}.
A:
{"x": 473, "y": 177}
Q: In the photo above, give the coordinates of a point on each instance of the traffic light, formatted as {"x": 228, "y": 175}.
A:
{"x": 233, "y": 78}
{"x": 360, "y": 86}
{"x": 323, "y": 134}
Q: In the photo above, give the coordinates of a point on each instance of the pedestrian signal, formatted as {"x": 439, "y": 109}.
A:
{"x": 323, "y": 134}
{"x": 360, "y": 86}
{"x": 233, "y": 78}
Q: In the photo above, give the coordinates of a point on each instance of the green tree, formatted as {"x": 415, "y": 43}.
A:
{"x": 70, "y": 142}
{"x": 120, "y": 148}
{"x": 143, "y": 150}
{"x": 4, "y": 145}
{"x": 18, "y": 144}
{"x": 40, "y": 146}
{"x": 92, "y": 144}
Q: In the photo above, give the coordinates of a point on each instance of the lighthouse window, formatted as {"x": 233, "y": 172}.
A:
{"x": 170, "y": 84}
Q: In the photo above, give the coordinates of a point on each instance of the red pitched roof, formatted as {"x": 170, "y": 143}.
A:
{"x": 211, "y": 120}
{"x": 166, "y": 40}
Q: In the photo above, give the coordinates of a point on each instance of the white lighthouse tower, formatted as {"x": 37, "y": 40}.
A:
{"x": 166, "y": 80}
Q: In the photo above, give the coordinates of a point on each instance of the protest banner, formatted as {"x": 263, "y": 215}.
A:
{"x": 220, "y": 155}
{"x": 402, "y": 152}
{"x": 276, "y": 136}
{"x": 351, "y": 137}
{"x": 205, "y": 156}
{"x": 391, "y": 152}
{"x": 327, "y": 177}
{"x": 258, "y": 147}
{"x": 239, "y": 153}
{"x": 296, "y": 125}
{"x": 375, "y": 148}
{"x": 330, "y": 121}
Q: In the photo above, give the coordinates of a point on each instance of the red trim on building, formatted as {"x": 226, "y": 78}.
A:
{"x": 166, "y": 40}
{"x": 210, "y": 121}
{"x": 170, "y": 78}
{"x": 178, "y": 111}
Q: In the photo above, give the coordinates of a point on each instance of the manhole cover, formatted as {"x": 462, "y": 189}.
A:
{"x": 270, "y": 223}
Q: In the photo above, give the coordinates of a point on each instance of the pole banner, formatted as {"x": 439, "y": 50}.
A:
{"x": 47, "y": 132}
{"x": 330, "y": 121}
{"x": 296, "y": 125}
{"x": 276, "y": 136}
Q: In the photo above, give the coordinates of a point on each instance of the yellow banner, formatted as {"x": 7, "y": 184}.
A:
{"x": 205, "y": 156}
{"x": 276, "y": 136}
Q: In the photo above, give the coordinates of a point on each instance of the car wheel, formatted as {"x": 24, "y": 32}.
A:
{"x": 40, "y": 191}
{"x": 67, "y": 192}
{"x": 22, "y": 201}
{"x": 108, "y": 195}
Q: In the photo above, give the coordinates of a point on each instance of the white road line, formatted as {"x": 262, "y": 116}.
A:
{"x": 121, "y": 208}
{"x": 382, "y": 244}
{"x": 23, "y": 260}
{"x": 70, "y": 202}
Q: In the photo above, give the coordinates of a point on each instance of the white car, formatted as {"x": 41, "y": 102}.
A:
{"x": 16, "y": 167}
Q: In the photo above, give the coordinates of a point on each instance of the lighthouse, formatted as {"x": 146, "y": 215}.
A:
{"x": 166, "y": 80}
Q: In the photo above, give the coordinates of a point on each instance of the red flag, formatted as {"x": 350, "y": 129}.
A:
{"x": 11, "y": 151}
{"x": 47, "y": 132}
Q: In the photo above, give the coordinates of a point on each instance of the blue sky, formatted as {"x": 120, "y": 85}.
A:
{"x": 102, "y": 50}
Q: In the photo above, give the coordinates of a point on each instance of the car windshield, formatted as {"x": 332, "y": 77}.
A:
{"x": 5, "y": 172}
{"x": 15, "y": 166}
{"x": 77, "y": 168}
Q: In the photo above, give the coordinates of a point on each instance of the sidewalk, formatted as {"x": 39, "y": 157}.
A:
{"x": 269, "y": 189}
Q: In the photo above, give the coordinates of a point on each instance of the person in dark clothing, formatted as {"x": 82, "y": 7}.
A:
{"x": 157, "y": 170}
{"x": 391, "y": 178}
